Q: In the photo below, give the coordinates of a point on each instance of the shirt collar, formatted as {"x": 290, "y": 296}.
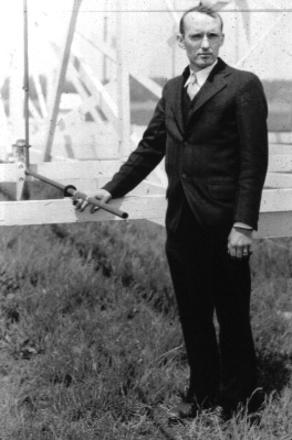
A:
{"x": 201, "y": 75}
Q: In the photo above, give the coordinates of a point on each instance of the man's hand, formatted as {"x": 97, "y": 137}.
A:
{"x": 101, "y": 195}
{"x": 239, "y": 243}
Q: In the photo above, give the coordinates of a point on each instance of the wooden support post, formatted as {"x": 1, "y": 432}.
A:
{"x": 123, "y": 86}
{"x": 105, "y": 40}
{"x": 246, "y": 20}
{"x": 16, "y": 80}
{"x": 60, "y": 83}
{"x": 26, "y": 85}
{"x": 18, "y": 151}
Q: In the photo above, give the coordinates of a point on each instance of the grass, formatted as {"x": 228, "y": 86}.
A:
{"x": 91, "y": 346}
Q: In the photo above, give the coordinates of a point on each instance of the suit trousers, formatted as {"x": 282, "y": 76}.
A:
{"x": 206, "y": 281}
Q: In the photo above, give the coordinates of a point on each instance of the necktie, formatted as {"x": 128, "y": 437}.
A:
{"x": 193, "y": 86}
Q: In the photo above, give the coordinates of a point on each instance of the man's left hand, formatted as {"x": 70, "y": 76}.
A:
{"x": 239, "y": 243}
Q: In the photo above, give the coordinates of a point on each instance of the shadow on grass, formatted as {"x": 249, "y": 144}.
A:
{"x": 274, "y": 371}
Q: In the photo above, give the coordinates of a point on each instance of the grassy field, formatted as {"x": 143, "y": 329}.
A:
{"x": 90, "y": 343}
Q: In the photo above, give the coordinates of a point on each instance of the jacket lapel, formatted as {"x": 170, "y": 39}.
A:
{"x": 214, "y": 84}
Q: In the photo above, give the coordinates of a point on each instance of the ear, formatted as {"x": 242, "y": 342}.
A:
{"x": 222, "y": 39}
{"x": 180, "y": 41}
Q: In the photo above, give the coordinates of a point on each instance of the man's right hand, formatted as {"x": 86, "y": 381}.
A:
{"x": 102, "y": 195}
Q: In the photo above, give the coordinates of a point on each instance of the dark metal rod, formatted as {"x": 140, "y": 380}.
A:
{"x": 45, "y": 179}
{"x": 73, "y": 192}
{"x": 93, "y": 201}
{"x": 26, "y": 84}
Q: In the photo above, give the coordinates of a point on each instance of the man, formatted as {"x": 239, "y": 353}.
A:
{"x": 210, "y": 125}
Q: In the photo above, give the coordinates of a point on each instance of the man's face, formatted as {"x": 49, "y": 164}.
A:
{"x": 201, "y": 40}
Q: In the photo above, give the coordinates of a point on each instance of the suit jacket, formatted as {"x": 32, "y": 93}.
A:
{"x": 216, "y": 159}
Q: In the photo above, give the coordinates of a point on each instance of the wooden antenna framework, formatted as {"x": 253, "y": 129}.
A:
{"x": 26, "y": 85}
{"x": 148, "y": 199}
{"x": 61, "y": 80}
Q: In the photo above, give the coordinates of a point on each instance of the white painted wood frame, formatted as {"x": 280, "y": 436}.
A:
{"x": 146, "y": 201}
{"x": 60, "y": 83}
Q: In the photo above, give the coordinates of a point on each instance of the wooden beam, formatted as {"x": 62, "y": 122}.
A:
{"x": 64, "y": 169}
{"x": 56, "y": 157}
{"x": 102, "y": 47}
{"x": 61, "y": 79}
{"x": 40, "y": 212}
{"x": 278, "y": 148}
{"x": 151, "y": 207}
{"x": 279, "y": 199}
{"x": 80, "y": 169}
{"x": 88, "y": 101}
{"x": 278, "y": 180}
{"x": 146, "y": 201}
{"x": 148, "y": 83}
{"x": 281, "y": 137}
{"x": 123, "y": 83}
{"x": 97, "y": 89}
{"x": 274, "y": 200}
{"x": 280, "y": 163}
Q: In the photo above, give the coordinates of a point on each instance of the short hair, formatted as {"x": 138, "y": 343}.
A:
{"x": 203, "y": 10}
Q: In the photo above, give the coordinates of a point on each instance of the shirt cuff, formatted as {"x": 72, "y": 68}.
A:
{"x": 240, "y": 225}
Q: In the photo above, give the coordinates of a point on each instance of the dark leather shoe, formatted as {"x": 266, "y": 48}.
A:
{"x": 183, "y": 410}
{"x": 251, "y": 407}
{"x": 256, "y": 401}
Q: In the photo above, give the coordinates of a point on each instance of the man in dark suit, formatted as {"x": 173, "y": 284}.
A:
{"x": 210, "y": 125}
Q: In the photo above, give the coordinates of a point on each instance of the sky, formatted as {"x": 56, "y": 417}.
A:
{"x": 145, "y": 29}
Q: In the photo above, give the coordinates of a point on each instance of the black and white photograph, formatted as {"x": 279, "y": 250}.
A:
{"x": 146, "y": 220}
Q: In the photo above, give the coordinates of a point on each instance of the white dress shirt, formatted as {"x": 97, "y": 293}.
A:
{"x": 196, "y": 80}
